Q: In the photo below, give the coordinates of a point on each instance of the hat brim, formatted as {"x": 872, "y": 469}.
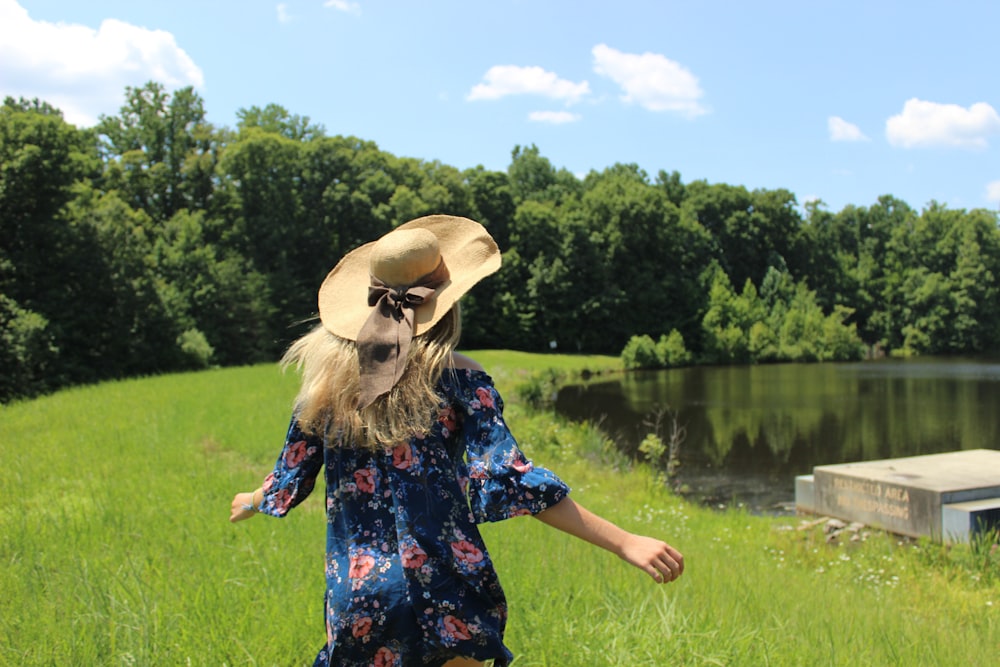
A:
{"x": 467, "y": 249}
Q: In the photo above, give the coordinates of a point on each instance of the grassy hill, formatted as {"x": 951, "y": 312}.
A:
{"x": 116, "y": 549}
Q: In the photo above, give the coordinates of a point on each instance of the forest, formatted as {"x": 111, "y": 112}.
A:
{"x": 157, "y": 242}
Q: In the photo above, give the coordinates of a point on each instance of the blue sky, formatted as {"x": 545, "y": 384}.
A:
{"x": 841, "y": 101}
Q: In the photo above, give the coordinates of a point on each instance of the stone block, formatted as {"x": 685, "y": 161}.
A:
{"x": 805, "y": 495}
{"x": 960, "y": 521}
{"x": 906, "y": 495}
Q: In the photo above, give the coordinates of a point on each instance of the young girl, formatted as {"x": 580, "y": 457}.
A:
{"x": 416, "y": 454}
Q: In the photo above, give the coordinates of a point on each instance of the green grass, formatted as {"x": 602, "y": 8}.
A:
{"x": 519, "y": 363}
{"x": 116, "y": 550}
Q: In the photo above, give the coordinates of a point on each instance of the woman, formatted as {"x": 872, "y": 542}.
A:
{"x": 416, "y": 453}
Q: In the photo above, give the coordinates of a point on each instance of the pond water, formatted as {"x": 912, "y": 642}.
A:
{"x": 751, "y": 429}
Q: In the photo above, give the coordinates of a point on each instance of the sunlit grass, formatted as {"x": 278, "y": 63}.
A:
{"x": 116, "y": 550}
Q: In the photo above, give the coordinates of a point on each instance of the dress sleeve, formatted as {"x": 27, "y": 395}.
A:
{"x": 502, "y": 482}
{"x": 294, "y": 474}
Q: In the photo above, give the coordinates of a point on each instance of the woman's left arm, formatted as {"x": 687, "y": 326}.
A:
{"x": 244, "y": 504}
{"x": 291, "y": 481}
{"x": 654, "y": 557}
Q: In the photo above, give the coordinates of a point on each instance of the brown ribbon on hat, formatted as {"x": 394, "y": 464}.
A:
{"x": 384, "y": 340}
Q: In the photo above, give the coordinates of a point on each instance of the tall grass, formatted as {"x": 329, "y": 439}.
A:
{"x": 116, "y": 550}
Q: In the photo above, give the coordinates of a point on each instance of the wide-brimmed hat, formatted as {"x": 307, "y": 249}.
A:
{"x": 400, "y": 259}
{"x": 405, "y": 281}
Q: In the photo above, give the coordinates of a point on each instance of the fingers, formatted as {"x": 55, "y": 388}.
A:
{"x": 668, "y": 565}
{"x": 662, "y": 574}
{"x": 676, "y": 559}
{"x": 654, "y": 557}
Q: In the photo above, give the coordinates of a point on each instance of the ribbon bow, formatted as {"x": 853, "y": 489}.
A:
{"x": 384, "y": 340}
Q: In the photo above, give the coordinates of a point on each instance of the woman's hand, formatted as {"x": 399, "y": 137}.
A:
{"x": 654, "y": 557}
{"x": 242, "y": 507}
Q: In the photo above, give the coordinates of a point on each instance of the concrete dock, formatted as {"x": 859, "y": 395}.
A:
{"x": 946, "y": 497}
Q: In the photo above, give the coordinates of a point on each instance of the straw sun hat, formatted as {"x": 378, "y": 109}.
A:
{"x": 384, "y": 292}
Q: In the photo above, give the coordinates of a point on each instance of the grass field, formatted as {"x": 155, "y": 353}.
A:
{"x": 116, "y": 550}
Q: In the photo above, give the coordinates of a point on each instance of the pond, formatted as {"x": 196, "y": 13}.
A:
{"x": 749, "y": 430}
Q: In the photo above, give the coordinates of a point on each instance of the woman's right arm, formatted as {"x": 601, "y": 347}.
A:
{"x": 654, "y": 557}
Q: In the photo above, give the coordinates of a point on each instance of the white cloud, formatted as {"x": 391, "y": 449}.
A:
{"x": 553, "y": 117}
{"x": 841, "y": 130}
{"x": 651, "y": 80}
{"x": 993, "y": 192}
{"x": 83, "y": 71}
{"x": 503, "y": 80}
{"x": 344, "y": 6}
{"x": 283, "y": 15}
{"x": 925, "y": 124}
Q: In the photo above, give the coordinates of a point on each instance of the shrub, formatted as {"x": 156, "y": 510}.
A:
{"x": 640, "y": 352}
{"x": 670, "y": 350}
{"x": 195, "y": 349}
{"x": 26, "y": 351}
{"x": 540, "y": 389}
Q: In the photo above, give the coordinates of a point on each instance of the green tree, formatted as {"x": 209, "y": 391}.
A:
{"x": 532, "y": 176}
{"x": 945, "y": 277}
{"x": 748, "y": 229}
{"x": 974, "y": 280}
{"x": 215, "y": 296}
{"x": 270, "y": 227}
{"x": 41, "y": 158}
{"x": 725, "y": 327}
{"x": 125, "y": 325}
{"x": 159, "y": 150}
{"x": 45, "y": 260}
{"x": 650, "y": 257}
{"x": 882, "y": 261}
{"x": 533, "y": 284}
{"x": 275, "y": 119}
{"x": 672, "y": 186}
{"x": 27, "y": 352}
{"x": 829, "y": 256}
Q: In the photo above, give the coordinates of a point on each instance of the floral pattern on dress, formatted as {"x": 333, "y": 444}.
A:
{"x": 409, "y": 579}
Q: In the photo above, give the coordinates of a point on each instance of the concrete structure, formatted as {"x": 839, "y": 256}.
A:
{"x": 942, "y": 496}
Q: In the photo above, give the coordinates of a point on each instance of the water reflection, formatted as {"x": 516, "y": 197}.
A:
{"x": 751, "y": 429}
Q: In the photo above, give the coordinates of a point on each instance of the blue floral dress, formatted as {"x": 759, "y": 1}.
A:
{"x": 408, "y": 577}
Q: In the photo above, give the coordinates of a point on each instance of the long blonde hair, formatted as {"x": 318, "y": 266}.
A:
{"x": 327, "y": 399}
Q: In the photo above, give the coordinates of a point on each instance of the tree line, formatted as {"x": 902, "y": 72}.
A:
{"x": 156, "y": 241}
